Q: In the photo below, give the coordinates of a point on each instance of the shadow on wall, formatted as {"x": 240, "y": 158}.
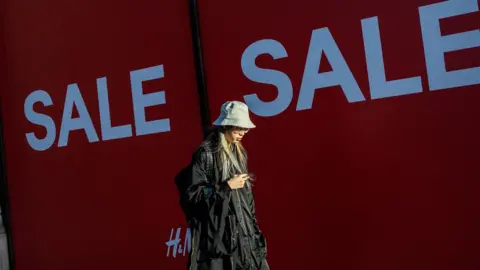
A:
{"x": 3, "y": 246}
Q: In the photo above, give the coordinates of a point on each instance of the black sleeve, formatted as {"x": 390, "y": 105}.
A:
{"x": 210, "y": 203}
{"x": 202, "y": 189}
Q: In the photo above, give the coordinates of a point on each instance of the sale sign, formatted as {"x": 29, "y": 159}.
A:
{"x": 365, "y": 151}
{"x": 366, "y": 147}
{"x": 322, "y": 43}
{"x": 100, "y": 112}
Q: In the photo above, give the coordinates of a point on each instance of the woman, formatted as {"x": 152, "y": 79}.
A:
{"x": 225, "y": 232}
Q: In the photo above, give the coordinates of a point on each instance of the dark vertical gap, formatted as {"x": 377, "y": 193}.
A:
{"x": 4, "y": 198}
{"x": 199, "y": 68}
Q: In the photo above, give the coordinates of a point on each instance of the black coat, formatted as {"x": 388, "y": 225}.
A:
{"x": 225, "y": 231}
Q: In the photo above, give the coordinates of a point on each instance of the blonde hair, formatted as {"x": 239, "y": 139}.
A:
{"x": 231, "y": 157}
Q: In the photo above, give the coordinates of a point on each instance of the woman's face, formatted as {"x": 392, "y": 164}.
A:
{"x": 235, "y": 134}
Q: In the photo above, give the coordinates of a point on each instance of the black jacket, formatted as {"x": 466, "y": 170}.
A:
{"x": 225, "y": 224}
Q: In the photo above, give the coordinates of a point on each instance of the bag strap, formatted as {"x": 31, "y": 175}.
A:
{"x": 209, "y": 163}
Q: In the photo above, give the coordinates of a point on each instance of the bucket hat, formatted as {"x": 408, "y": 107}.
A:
{"x": 234, "y": 113}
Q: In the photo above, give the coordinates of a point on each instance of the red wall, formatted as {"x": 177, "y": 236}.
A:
{"x": 373, "y": 175}
{"x": 388, "y": 183}
{"x": 3, "y": 71}
{"x": 106, "y": 204}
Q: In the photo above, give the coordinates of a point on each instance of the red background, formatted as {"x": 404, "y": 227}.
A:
{"x": 104, "y": 205}
{"x": 383, "y": 184}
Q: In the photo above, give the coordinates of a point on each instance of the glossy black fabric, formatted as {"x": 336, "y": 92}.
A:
{"x": 225, "y": 235}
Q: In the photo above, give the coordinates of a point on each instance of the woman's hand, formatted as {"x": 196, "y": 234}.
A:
{"x": 238, "y": 181}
